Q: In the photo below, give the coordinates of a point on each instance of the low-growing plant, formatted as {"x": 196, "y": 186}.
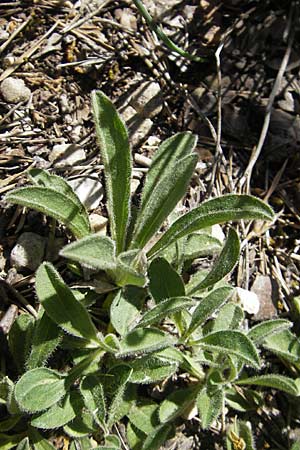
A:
{"x": 84, "y": 362}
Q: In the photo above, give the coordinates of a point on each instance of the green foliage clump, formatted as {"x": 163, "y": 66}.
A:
{"x": 151, "y": 325}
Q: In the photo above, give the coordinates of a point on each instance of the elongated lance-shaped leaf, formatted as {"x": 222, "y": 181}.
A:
{"x": 164, "y": 160}
{"x": 157, "y": 437}
{"x": 231, "y": 342}
{"x": 165, "y": 195}
{"x": 165, "y": 282}
{"x": 144, "y": 340}
{"x": 46, "y": 338}
{"x": 53, "y": 204}
{"x": 165, "y": 309}
{"x": 24, "y": 444}
{"x": 280, "y": 382}
{"x": 208, "y": 306}
{"x": 151, "y": 369}
{"x": 224, "y": 264}
{"x": 262, "y": 330}
{"x": 115, "y": 152}
{"x": 61, "y": 306}
{"x": 125, "y": 308}
{"x": 42, "y": 178}
{"x": 95, "y": 251}
{"x": 218, "y": 210}
{"x": 59, "y": 414}
{"x": 38, "y": 389}
{"x": 20, "y": 338}
{"x": 285, "y": 344}
{"x": 177, "y": 402}
{"x": 209, "y": 403}
{"x": 93, "y": 396}
{"x": 229, "y": 317}
{"x": 143, "y": 415}
{"x": 121, "y": 377}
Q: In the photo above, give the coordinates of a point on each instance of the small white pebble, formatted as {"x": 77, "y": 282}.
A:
{"x": 13, "y": 90}
{"x": 249, "y": 300}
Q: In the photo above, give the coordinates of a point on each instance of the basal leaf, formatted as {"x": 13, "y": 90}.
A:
{"x": 157, "y": 437}
{"x": 165, "y": 282}
{"x": 165, "y": 309}
{"x": 164, "y": 160}
{"x": 38, "y": 441}
{"x": 209, "y": 403}
{"x": 24, "y": 444}
{"x": 165, "y": 195}
{"x": 232, "y": 342}
{"x": 217, "y": 210}
{"x": 125, "y": 308}
{"x": 263, "y": 330}
{"x": 38, "y": 389}
{"x": 280, "y": 382}
{"x": 59, "y": 414}
{"x": 115, "y": 152}
{"x": 43, "y": 178}
{"x": 19, "y": 339}
{"x": 53, "y": 204}
{"x": 224, "y": 264}
{"x": 285, "y": 344}
{"x": 144, "y": 340}
{"x": 45, "y": 340}
{"x": 92, "y": 392}
{"x": 151, "y": 369}
{"x": 229, "y": 317}
{"x": 116, "y": 409}
{"x": 208, "y": 306}
{"x": 194, "y": 246}
{"x": 144, "y": 415}
{"x": 61, "y": 305}
{"x": 94, "y": 251}
{"x": 176, "y": 403}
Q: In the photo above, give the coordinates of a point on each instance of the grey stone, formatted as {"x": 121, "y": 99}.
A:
{"x": 66, "y": 155}
{"x": 89, "y": 191}
{"x": 13, "y": 90}
{"x": 28, "y": 252}
{"x": 138, "y": 127}
{"x": 147, "y": 99}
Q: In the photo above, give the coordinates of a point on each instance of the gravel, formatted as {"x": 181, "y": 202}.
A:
{"x": 13, "y": 90}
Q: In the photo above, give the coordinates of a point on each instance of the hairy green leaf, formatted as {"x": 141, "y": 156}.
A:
{"x": 46, "y": 338}
{"x": 39, "y": 443}
{"x": 53, "y": 204}
{"x": 116, "y": 410}
{"x": 208, "y": 306}
{"x": 130, "y": 269}
{"x": 144, "y": 415}
{"x": 92, "y": 392}
{"x": 125, "y": 308}
{"x": 218, "y": 210}
{"x": 262, "y": 330}
{"x": 224, "y": 264}
{"x": 275, "y": 381}
{"x": 165, "y": 159}
{"x": 229, "y": 317}
{"x": 234, "y": 343}
{"x": 42, "y": 178}
{"x": 157, "y": 437}
{"x": 209, "y": 403}
{"x": 135, "y": 437}
{"x": 19, "y": 339}
{"x": 177, "y": 403}
{"x": 115, "y": 152}
{"x": 185, "y": 361}
{"x": 82, "y": 425}
{"x": 285, "y": 344}
{"x": 38, "y": 389}
{"x": 144, "y": 340}
{"x": 165, "y": 282}
{"x": 61, "y": 305}
{"x": 59, "y": 414}
{"x": 165, "y": 309}
{"x": 151, "y": 369}
{"x": 94, "y": 251}
{"x": 165, "y": 195}
{"x": 24, "y": 444}
{"x": 194, "y": 246}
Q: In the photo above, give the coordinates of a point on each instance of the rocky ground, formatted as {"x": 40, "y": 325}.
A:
{"x": 242, "y": 101}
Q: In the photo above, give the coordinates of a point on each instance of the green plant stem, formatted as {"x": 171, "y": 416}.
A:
{"x": 159, "y": 32}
